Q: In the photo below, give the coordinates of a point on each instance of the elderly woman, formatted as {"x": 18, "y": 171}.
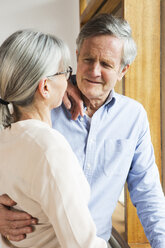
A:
{"x": 38, "y": 168}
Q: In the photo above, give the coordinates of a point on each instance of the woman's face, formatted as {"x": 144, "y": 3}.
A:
{"x": 58, "y": 85}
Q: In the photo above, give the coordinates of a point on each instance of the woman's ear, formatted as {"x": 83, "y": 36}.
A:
{"x": 43, "y": 88}
{"x": 77, "y": 54}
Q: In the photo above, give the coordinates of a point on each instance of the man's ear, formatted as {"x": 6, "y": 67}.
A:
{"x": 123, "y": 72}
{"x": 77, "y": 54}
{"x": 43, "y": 88}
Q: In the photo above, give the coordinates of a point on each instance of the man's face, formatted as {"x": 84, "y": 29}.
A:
{"x": 98, "y": 66}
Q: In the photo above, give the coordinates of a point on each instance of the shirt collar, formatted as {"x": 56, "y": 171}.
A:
{"x": 110, "y": 97}
{"x": 110, "y": 100}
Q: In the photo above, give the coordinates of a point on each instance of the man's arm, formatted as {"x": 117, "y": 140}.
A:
{"x": 72, "y": 101}
{"x": 145, "y": 187}
{"x": 14, "y": 224}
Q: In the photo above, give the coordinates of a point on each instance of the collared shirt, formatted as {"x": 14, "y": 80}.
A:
{"x": 113, "y": 147}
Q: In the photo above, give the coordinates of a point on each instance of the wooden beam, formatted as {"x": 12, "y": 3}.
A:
{"x": 111, "y": 6}
{"x": 90, "y": 10}
{"x": 98, "y": 6}
{"x": 142, "y": 83}
{"x": 83, "y": 5}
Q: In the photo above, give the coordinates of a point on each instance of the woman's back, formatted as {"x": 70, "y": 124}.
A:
{"x": 37, "y": 165}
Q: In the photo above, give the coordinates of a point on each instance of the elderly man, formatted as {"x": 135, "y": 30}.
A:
{"x": 112, "y": 139}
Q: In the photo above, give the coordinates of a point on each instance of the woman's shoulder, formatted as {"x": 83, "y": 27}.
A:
{"x": 41, "y": 133}
{"x": 37, "y": 134}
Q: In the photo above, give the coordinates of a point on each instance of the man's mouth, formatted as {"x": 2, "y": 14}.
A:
{"x": 93, "y": 81}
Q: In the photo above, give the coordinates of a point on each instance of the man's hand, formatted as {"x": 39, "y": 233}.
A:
{"x": 14, "y": 224}
{"x": 72, "y": 101}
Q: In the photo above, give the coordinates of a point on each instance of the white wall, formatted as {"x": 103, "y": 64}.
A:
{"x": 59, "y": 17}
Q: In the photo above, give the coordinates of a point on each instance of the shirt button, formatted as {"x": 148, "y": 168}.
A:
{"x": 81, "y": 118}
{"x": 89, "y": 166}
{"x": 92, "y": 141}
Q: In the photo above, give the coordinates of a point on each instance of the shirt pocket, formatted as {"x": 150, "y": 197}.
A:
{"x": 118, "y": 156}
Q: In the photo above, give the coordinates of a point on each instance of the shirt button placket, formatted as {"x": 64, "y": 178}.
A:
{"x": 90, "y": 151}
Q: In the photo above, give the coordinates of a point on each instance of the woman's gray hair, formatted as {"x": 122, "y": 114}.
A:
{"x": 25, "y": 57}
{"x": 107, "y": 24}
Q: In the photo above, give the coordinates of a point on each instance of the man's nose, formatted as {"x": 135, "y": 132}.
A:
{"x": 95, "y": 69}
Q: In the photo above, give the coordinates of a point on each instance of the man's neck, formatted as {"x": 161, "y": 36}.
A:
{"x": 92, "y": 105}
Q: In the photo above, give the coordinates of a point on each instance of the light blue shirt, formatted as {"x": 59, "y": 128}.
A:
{"x": 113, "y": 147}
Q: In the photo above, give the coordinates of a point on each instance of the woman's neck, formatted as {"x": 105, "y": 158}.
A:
{"x": 41, "y": 113}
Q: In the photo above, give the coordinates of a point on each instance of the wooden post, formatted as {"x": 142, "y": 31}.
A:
{"x": 163, "y": 87}
{"x": 142, "y": 83}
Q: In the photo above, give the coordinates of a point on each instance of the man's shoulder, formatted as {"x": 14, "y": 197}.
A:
{"x": 61, "y": 110}
{"x": 125, "y": 100}
{"x": 60, "y": 117}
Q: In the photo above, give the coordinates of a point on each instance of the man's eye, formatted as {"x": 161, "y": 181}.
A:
{"x": 106, "y": 65}
{"x": 88, "y": 60}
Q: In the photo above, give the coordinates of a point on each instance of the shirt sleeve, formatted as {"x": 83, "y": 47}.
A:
{"x": 62, "y": 191}
{"x": 145, "y": 188}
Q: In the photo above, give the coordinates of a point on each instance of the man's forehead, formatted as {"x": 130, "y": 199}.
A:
{"x": 99, "y": 40}
{"x": 105, "y": 46}
{"x": 102, "y": 36}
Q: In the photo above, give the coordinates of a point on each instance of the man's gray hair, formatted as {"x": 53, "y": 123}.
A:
{"x": 25, "y": 57}
{"x": 107, "y": 24}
